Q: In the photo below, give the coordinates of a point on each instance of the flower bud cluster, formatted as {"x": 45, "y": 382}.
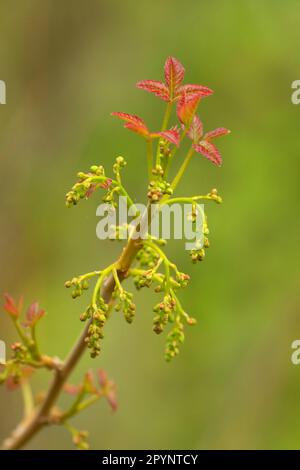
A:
{"x": 147, "y": 257}
{"x": 144, "y": 279}
{"x": 124, "y": 303}
{"x": 182, "y": 279}
{"x": 215, "y": 196}
{"x": 98, "y": 315}
{"x": 174, "y": 339}
{"x": 79, "y": 285}
{"x": 112, "y": 192}
{"x": 85, "y": 185}
{"x": 169, "y": 310}
{"x": 157, "y": 189}
{"x": 198, "y": 253}
{"x": 192, "y": 216}
{"x": 163, "y": 311}
{"x": 118, "y": 165}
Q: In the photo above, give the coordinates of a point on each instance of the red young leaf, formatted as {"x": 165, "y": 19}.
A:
{"x": 11, "y": 306}
{"x": 210, "y": 151}
{"x": 102, "y": 377}
{"x": 195, "y": 132}
{"x": 72, "y": 389}
{"x": 186, "y": 108}
{"x": 33, "y": 314}
{"x": 133, "y": 123}
{"x": 158, "y": 88}
{"x": 131, "y": 118}
{"x": 216, "y": 133}
{"x": 89, "y": 383}
{"x": 199, "y": 90}
{"x": 108, "y": 388}
{"x": 174, "y": 74}
{"x": 172, "y": 135}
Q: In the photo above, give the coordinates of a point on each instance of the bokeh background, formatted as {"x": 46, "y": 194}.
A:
{"x": 67, "y": 65}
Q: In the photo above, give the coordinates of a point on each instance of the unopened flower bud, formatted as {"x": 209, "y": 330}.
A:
{"x": 206, "y": 242}
{"x": 120, "y": 160}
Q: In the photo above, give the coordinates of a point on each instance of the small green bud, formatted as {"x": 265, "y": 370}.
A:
{"x": 83, "y": 316}
{"x": 120, "y": 161}
{"x": 100, "y": 171}
{"x": 157, "y": 329}
{"x": 191, "y": 321}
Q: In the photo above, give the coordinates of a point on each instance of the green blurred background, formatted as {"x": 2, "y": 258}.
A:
{"x": 67, "y": 65}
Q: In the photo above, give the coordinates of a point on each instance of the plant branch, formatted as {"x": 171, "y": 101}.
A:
{"x": 27, "y": 429}
{"x": 182, "y": 169}
{"x": 163, "y": 128}
{"x": 149, "y": 158}
{"x": 27, "y": 398}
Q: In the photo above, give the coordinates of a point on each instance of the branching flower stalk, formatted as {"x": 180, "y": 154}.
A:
{"x": 142, "y": 258}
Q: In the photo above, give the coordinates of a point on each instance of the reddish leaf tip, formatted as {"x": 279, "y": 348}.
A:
{"x": 210, "y": 151}
{"x": 174, "y": 74}
{"x": 34, "y": 314}
{"x": 133, "y": 123}
{"x": 12, "y": 307}
{"x": 220, "y": 131}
